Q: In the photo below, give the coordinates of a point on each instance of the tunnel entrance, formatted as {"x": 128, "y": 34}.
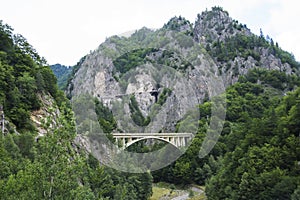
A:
{"x": 154, "y": 93}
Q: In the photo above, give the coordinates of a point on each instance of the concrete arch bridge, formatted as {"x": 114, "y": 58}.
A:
{"x": 176, "y": 139}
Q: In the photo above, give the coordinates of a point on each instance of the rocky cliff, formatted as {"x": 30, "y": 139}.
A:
{"x": 235, "y": 49}
{"x": 151, "y": 80}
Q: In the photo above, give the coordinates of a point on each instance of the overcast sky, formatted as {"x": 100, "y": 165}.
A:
{"x": 63, "y": 31}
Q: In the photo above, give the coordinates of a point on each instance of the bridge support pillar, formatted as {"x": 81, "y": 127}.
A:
{"x": 172, "y": 141}
{"x": 176, "y": 141}
{"x": 129, "y": 140}
{"x": 123, "y": 142}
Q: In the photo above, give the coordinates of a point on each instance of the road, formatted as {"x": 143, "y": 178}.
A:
{"x": 184, "y": 196}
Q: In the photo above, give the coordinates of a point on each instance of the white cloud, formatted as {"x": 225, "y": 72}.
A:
{"x": 284, "y": 26}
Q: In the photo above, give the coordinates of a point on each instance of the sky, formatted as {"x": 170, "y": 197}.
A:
{"x": 63, "y": 31}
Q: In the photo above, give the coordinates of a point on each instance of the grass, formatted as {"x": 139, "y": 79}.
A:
{"x": 170, "y": 191}
{"x": 159, "y": 192}
{"x": 200, "y": 197}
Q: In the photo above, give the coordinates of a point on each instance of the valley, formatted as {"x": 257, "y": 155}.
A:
{"x": 201, "y": 110}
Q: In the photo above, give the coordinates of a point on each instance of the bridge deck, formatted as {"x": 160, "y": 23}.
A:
{"x": 125, "y": 135}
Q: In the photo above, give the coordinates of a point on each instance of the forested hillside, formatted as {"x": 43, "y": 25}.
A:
{"x": 62, "y": 74}
{"x": 51, "y": 166}
{"x": 153, "y": 76}
{"x": 257, "y": 155}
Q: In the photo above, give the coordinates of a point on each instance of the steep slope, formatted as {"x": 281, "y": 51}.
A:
{"x": 178, "y": 58}
{"x": 124, "y": 70}
{"x": 25, "y": 80}
{"x": 236, "y": 50}
{"x": 38, "y": 156}
{"x": 160, "y": 81}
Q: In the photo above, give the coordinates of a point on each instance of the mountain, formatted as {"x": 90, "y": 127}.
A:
{"x": 62, "y": 74}
{"x": 38, "y": 156}
{"x": 172, "y": 79}
{"x": 207, "y": 56}
{"x": 181, "y": 78}
{"x": 236, "y": 49}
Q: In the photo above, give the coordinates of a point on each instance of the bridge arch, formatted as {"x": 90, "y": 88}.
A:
{"x": 175, "y": 139}
{"x": 148, "y": 137}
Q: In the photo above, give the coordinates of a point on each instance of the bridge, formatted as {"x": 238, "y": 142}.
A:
{"x": 176, "y": 139}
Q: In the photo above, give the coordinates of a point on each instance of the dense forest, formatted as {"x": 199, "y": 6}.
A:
{"x": 52, "y": 166}
{"x": 256, "y": 157}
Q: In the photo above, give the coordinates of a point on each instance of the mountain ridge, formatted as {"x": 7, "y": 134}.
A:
{"x": 216, "y": 46}
{"x": 154, "y": 81}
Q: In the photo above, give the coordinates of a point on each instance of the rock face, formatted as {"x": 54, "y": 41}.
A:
{"x": 216, "y": 25}
{"x": 47, "y": 116}
{"x": 221, "y": 34}
{"x": 177, "y": 71}
{"x": 180, "y": 63}
{"x": 5, "y": 125}
{"x": 179, "y": 24}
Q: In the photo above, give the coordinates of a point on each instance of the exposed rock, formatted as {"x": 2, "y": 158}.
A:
{"x": 171, "y": 58}
{"x": 5, "y": 125}
{"x": 217, "y": 25}
{"x": 182, "y": 70}
{"x": 179, "y": 24}
{"x": 46, "y": 117}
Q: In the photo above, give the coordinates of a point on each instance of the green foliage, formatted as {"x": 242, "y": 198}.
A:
{"x": 212, "y": 13}
{"x": 72, "y": 74}
{"x": 244, "y": 101}
{"x": 62, "y": 74}
{"x": 6, "y": 39}
{"x": 185, "y": 41}
{"x": 174, "y": 60}
{"x": 163, "y": 96}
{"x": 144, "y": 147}
{"x": 256, "y": 156}
{"x": 276, "y": 79}
{"x": 136, "y": 113}
{"x": 238, "y": 45}
{"x": 245, "y": 46}
{"x": 218, "y": 9}
{"x": 178, "y": 23}
{"x": 132, "y": 59}
{"x": 106, "y": 119}
{"x": 56, "y": 171}
{"x": 262, "y": 161}
{"x": 23, "y": 77}
{"x": 50, "y": 167}
{"x": 296, "y": 194}
{"x": 137, "y": 57}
